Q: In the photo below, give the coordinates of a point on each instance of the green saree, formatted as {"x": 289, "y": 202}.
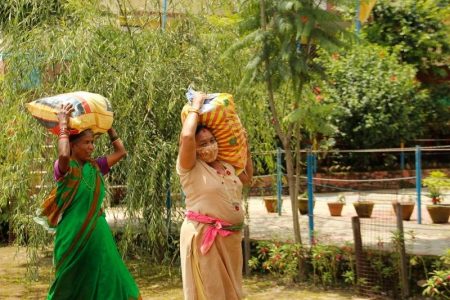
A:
{"x": 88, "y": 264}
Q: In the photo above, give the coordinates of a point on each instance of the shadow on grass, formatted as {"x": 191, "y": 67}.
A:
{"x": 155, "y": 281}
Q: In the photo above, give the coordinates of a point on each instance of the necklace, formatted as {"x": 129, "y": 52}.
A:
{"x": 90, "y": 187}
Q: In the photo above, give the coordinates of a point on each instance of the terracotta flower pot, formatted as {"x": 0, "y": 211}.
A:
{"x": 271, "y": 204}
{"x": 335, "y": 208}
{"x": 439, "y": 213}
{"x": 407, "y": 209}
{"x": 364, "y": 208}
{"x": 303, "y": 205}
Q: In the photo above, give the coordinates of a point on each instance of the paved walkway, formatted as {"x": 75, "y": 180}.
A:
{"x": 424, "y": 239}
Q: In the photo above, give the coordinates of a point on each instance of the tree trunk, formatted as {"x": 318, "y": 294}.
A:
{"x": 293, "y": 192}
{"x": 284, "y": 137}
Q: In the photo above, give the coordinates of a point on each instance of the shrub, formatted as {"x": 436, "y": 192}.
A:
{"x": 379, "y": 98}
{"x": 438, "y": 285}
{"x": 280, "y": 259}
{"x": 415, "y": 29}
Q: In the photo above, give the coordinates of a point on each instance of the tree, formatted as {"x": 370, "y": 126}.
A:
{"x": 25, "y": 14}
{"x": 378, "y": 100}
{"x": 417, "y": 30}
{"x": 144, "y": 73}
{"x": 282, "y": 37}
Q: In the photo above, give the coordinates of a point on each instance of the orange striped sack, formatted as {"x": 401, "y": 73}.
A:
{"x": 92, "y": 111}
{"x": 227, "y": 128}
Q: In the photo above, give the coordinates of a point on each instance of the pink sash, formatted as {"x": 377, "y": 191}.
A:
{"x": 216, "y": 226}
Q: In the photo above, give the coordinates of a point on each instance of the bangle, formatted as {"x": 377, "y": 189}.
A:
{"x": 193, "y": 109}
{"x": 118, "y": 139}
{"x": 63, "y": 130}
{"x": 114, "y": 138}
{"x": 63, "y": 136}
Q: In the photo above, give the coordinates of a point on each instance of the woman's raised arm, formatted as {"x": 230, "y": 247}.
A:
{"x": 187, "y": 154}
{"x": 119, "y": 148}
{"x": 63, "y": 139}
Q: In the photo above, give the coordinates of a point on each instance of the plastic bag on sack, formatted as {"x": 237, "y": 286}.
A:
{"x": 91, "y": 111}
{"x": 218, "y": 113}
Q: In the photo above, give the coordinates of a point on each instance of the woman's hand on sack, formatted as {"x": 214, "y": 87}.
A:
{"x": 198, "y": 100}
{"x": 64, "y": 113}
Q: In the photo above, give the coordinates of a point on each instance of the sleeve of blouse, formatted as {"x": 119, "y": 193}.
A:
{"x": 180, "y": 170}
{"x": 103, "y": 165}
{"x": 57, "y": 174}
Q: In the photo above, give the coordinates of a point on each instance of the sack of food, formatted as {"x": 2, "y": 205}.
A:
{"x": 91, "y": 111}
{"x": 218, "y": 113}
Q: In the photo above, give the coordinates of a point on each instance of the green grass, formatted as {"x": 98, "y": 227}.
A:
{"x": 155, "y": 282}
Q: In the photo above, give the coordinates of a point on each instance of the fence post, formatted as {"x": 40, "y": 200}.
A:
{"x": 279, "y": 180}
{"x": 164, "y": 15}
{"x": 168, "y": 195}
{"x": 402, "y": 156}
{"x": 314, "y": 163}
{"x": 357, "y": 242}
{"x": 309, "y": 174}
{"x": 419, "y": 184}
{"x": 357, "y": 21}
{"x": 168, "y": 202}
{"x": 401, "y": 245}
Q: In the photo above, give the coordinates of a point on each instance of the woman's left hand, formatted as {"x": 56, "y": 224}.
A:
{"x": 65, "y": 112}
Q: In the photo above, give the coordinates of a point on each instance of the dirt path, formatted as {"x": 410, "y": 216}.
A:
{"x": 154, "y": 282}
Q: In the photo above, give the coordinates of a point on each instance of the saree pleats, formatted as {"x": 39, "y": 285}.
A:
{"x": 88, "y": 264}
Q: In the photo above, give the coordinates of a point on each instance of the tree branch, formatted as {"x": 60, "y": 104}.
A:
{"x": 271, "y": 98}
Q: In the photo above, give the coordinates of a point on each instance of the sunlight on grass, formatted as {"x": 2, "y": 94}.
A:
{"x": 155, "y": 282}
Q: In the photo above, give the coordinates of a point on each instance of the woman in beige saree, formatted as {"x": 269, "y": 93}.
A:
{"x": 210, "y": 238}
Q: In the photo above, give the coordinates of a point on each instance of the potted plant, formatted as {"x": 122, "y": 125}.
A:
{"x": 270, "y": 203}
{"x": 303, "y": 203}
{"x": 335, "y": 207}
{"x": 363, "y": 208}
{"x": 407, "y": 206}
{"x": 436, "y": 182}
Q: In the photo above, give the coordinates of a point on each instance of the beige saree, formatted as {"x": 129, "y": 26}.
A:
{"x": 216, "y": 274}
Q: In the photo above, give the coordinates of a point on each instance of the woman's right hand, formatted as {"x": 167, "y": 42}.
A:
{"x": 64, "y": 113}
{"x": 198, "y": 100}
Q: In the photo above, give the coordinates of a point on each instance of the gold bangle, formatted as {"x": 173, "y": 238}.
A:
{"x": 194, "y": 110}
{"x": 63, "y": 130}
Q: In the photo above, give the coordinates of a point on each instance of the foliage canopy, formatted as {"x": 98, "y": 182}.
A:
{"x": 377, "y": 98}
{"x": 144, "y": 73}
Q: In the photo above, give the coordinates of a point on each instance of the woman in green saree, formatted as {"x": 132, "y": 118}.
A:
{"x": 88, "y": 264}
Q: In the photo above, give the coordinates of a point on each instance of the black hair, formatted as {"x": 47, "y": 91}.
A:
{"x": 200, "y": 127}
{"x": 75, "y": 137}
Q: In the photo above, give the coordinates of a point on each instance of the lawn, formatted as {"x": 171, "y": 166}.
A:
{"x": 155, "y": 282}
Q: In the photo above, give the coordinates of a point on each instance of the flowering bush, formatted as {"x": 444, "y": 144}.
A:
{"x": 332, "y": 263}
{"x": 438, "y": 285}
{"x": 325, "y": 260}
{"x": 280, "y": 259}
{"x": 377, "y": 98}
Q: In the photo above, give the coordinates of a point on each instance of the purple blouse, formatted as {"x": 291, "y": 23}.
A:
{"x": 101, "y": 161}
